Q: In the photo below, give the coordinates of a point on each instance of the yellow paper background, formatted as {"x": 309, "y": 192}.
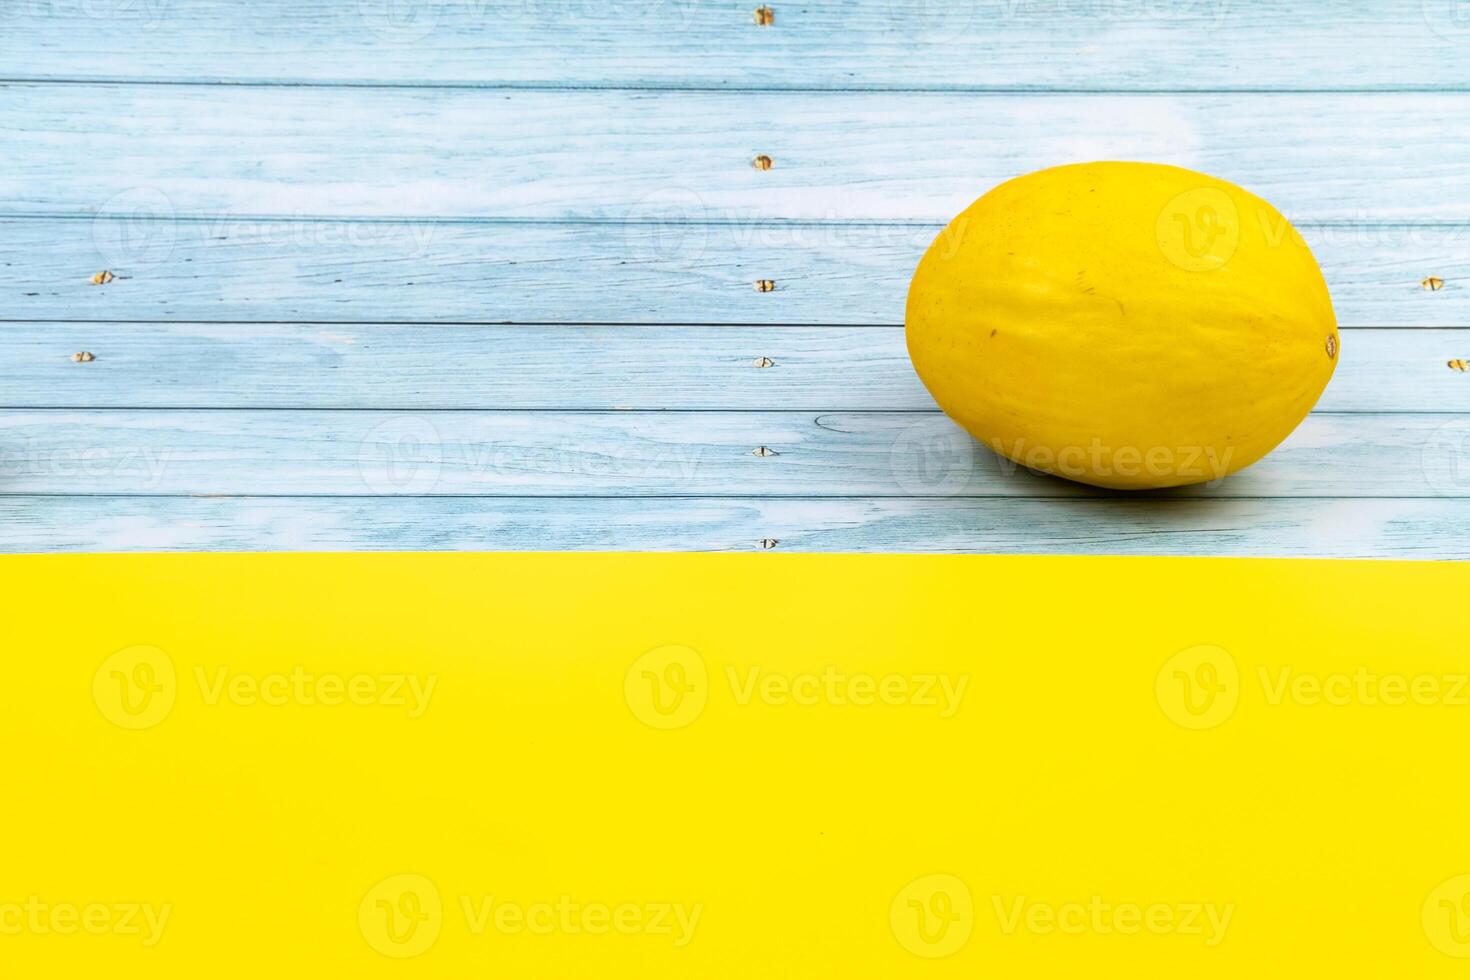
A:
{"x": 811, "y": 835}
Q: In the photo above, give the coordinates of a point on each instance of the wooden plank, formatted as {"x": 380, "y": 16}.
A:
{"x": 658, "y": 454}
{"x": 619, "y": 155}
{"x": 1424, "y": 529}
{"x": 1190, "y": 44}
{"x": 659, "y": 271}
{"x": 417, "y": 366}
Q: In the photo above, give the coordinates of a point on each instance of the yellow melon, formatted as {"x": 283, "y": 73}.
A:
{"x": 1128, "y": 325}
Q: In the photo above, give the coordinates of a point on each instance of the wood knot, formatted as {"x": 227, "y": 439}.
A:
{"x": 103, "y": 278}
{"x": 1432, "y": 283}
{"x": 763, "y": 162}
{"x": 764, "y": 16}
{"x": 764, "y": 285}
{"x": 83, "y": 356}
{"x": 769, "y": 543}
{"x": 764, "y": 362}
{"x": 764, "y": 451}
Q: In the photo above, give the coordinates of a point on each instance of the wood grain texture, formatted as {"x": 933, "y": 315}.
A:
{"x": 614, "y": 155}
{"x": 658, "y": 271}
{"x": 303, "y": 346}
{"x": 662, "y": 454}
{"x": 1424, "y": 529}
{"x": 600, "y": 367}
{"x": 1010, "y": 44}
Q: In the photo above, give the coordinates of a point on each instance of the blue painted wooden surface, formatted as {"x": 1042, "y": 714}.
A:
{"x": 225, "y": 151}
{"x": 662, "y": 269}
{"x": 466, "y": 274}
{"x": 1125, "y": 45}
{"x": 408, "y": 366}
